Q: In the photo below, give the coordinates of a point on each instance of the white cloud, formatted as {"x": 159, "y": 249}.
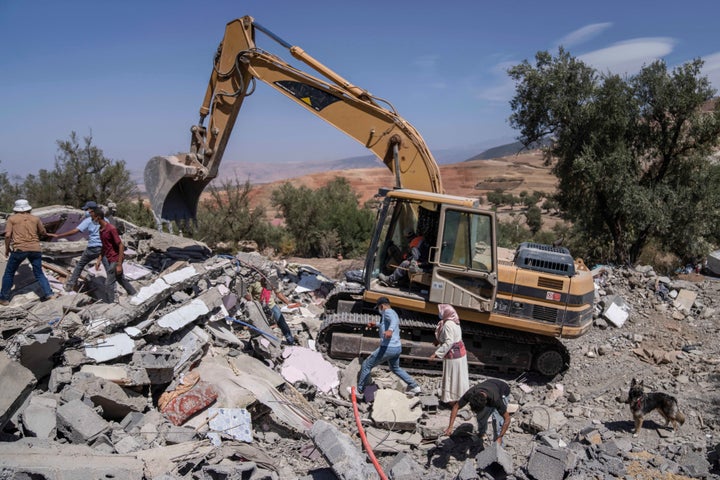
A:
{"x": 501, "y": 88}
{"x": 583, "y": 34}
{"x": 712, "y": 69}
{"x": 628, "y": 57}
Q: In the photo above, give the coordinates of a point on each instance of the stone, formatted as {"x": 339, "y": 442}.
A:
{"x": 79, "y": 423}
{"x": 17, "y": 384}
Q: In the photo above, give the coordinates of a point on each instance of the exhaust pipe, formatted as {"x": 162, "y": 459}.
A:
{"x": 174, "y": 185}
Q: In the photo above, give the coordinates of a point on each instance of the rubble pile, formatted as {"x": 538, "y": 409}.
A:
{"x": 188, "y": 380}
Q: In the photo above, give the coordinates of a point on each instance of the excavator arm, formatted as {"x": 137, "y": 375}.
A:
{"x": 175, "y": 183}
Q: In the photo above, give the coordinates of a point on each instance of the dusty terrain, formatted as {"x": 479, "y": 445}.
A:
{"x": 476, "y": 178}
{"x": 671, "y": 348}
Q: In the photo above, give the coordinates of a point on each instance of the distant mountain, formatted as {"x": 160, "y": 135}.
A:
{"x": 505, "y": 150}
{"x": 267, "y": 172}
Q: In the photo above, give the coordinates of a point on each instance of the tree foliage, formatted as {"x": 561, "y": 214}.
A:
{"x": 225, "y": 216}
{"x": 325, "y": 221}
{"x": 631, "y": 154}
{"x": 81, "y": 173}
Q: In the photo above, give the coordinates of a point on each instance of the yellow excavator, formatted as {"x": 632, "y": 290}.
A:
{"x": 513, "y": 307}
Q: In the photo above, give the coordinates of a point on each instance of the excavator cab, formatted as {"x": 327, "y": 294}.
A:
{"x": 460, "y": 267}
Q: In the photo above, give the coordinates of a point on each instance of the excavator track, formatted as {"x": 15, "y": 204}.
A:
{"x": 346, "y": 335}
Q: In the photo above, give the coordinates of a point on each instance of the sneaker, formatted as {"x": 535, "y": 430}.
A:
{"x": 383, "y": 278}
{"x": 4, "y": 303}
{"x": 49, "y": 297}
{"x": 414, "y": 391}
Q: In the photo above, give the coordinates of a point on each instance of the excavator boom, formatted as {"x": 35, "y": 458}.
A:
{"x": 175, "y": 183}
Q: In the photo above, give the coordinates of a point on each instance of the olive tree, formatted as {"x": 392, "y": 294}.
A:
{"x": 632, "y": 154}
{"x": 81, "y": 173}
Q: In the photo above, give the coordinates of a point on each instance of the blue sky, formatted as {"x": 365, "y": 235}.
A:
{"x": 133, "y": 74}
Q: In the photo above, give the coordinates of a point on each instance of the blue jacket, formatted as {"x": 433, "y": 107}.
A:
{"x": 389, "y": 321}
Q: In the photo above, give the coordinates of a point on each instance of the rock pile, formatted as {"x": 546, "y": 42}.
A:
{"x": 188, "y": 380}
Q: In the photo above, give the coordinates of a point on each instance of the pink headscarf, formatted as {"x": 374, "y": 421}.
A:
{"x": 447, "y": 314}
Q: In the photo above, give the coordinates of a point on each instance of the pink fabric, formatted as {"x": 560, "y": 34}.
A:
{"x": 265, "y": 296}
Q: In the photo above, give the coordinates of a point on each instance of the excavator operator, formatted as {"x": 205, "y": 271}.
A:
{"x": 417, "y": 254}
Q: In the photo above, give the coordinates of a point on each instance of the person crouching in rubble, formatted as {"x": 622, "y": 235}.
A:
{"x": 262, "y": 292}
{"x": 486, "y": 398}
{"x": 112, "y": 257}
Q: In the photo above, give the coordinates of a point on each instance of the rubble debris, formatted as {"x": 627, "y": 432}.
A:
{"x": 84, "y": 381}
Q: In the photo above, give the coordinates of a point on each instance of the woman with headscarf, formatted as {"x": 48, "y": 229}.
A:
{"x": 451, "y": 350}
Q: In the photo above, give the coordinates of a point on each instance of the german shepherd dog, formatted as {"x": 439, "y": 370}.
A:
{"x": 642, "y": 403}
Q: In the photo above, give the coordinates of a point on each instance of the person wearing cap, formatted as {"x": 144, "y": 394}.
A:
{"x": 389, "y": 349}
{"x": 94, "y": 245}
{"x": 418, "y": 252}
{"x": 111, "y": 256}
{"x": 23, "y": 231}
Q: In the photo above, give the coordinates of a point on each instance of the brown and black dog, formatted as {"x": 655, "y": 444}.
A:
{"x": 642, "y": 403}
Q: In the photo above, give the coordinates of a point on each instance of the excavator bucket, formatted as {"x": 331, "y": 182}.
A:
{"x": 174, "y": 187}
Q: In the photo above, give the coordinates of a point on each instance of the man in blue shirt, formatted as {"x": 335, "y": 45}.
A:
{"x": 389, "y": 349}
{"x": 94, "y": 246}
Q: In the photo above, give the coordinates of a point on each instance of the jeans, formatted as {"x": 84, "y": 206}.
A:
{"x": 278, "y": 318}
{"x": 382, "y": 354}
{"x": 13, "y": 263}
{"x": 89, "y": 255}
{"x": 497, "y": 420}
{"x": 112, "y": 279}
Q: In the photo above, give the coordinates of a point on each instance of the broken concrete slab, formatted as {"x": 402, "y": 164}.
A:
{"x": 79, "y": 423}
{"x": 159, "y": 364}
{"x": 17, "y": 384}
{"x": 116, "y": 401}
{"x": 546, "y": 463}
{"x": 40, "y": 458}
{"x": 685, "y": 300}
{"x": 38, "y": 350}
{"x": 393, "y": 409}
{"x": 346, "y": 460}
{"x": 495, "y": 459}
{"x": 616, "y": 312}
{"x": 110, "y": 348}
{"x": 39, "y": 418}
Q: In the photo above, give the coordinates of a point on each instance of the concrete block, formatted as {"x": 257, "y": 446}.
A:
{"x": 468, "y": 471}
{"x": 393, "y": 409}
{"x": 79, "y": 423}
{"x": 115, "y": 400}
{"x": 685, "y": 300}
{"x": 159, "y": 364}
{"x": 17, "y": 384}
{"x": 403, "y": 467}
{"x": 546, "y": 463}
{"x": 345, "y": 458}
{"x": 616, "y": 315}
{"x": 174, "y": 434}
{"x": 39, "y": 418}
{"x": 59, "y": 377}
{"x": 131, "y": 420}
{"x": 493, "y": 457}
{"x": 127, "y": 445}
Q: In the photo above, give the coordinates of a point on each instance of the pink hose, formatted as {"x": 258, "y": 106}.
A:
{"x": 364, "y": 438}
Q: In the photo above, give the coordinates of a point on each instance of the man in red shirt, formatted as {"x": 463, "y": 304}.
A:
{"x": 112, "y": 256}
